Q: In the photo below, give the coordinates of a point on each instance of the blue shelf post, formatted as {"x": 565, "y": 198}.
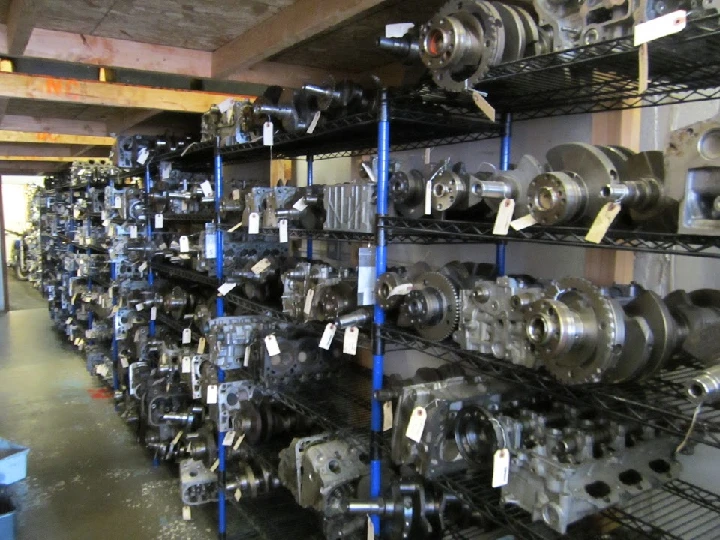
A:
{"x": 379, "y": 315}
{"x": 222, "y": 524}
{"x": 89, "y": 253}
{"x": 309, "y": 241}
{"x": 148, "y": 235}
{"x": 505, "y": 141}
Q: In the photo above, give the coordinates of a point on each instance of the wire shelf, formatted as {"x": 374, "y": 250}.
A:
{"x": 132, "y": 173}
{"x": 660, "y": 401}
{"x": 304, "y": 234}
{"x": 184, "y": 273}
{"x": 429, "y": 231}
{"x": 198, "y": 217}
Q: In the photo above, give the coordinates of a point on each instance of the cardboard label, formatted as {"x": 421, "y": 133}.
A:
{"x": 186, "y": 515}
{"x": 283, "y": 229}
{"x": 603, "y": 220}
{"x": 229, "y": 438}
{"x": 268, "y": 133}
{"x": 236, "y": 194}
{"x": 523, "y": 223}
{"x": 271, "y": 345}
{"x": 201, "y": 346}
{"x": 308, "y": 301}
{"x": 210, "y": 246}
{"x": 235, "y": 227}
{"x": 260, "y": 266}
{"x": 501, "y": 467}
{"x": 503, "y": 217}
{"x": 350, "y": 341}
{"x": 327, "y": 337}
{"x": 215, "y": 465}
{"x": 212, "y": 394}
{"x": 239, "y": 441}
{"x": 387, "y": 416}
{"x": 660, "y": 27}
{"x": 254, "y": 223}
{"x": 416, "y": 425}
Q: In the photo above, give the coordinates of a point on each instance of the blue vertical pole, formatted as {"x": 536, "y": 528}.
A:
{"x": 505, "y": 141}
{"x": 89, "y": 253}
{"x": 114, "y": 351}
{"x": 222, "y": 524}
{"x": 309, "y": 241}
{"x": 148, "y": 234}
{"x": 376, "y": 419}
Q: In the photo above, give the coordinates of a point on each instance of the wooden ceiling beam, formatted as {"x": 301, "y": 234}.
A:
{"x": 52, "y": 125}
{"x": 47, "y": 159}
{"x": 49, "y": 150}
{"x": 20, "y": 23}
{"x": 126, "y": 120}
{"x": 30, "y": 167}
{"x": 44, "y": 137}
{"x": 293, "y": 24}
{"x": 17, "y": 85}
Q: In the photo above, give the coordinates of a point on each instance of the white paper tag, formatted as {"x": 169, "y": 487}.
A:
{"x": 246, "y": 360}
{"x": 236, "y": 194}
{"x": 133, "y": 231}
{"x": 398, "y": 29}
{"x": 350, "y": 340}
{"x": 501, "y": 467}
{"x": 186, "y": 513}
{"x": 314, "y": 122}
{"x": 186, "y": 336}
{"x": 235, "y": 227}
{"x": 206, "y": 188}
{"x": 153, "y": 313}
{"x": 300, "y": 205}
{"x": 184, "y": 244}
{"x": 201, "y": 346}
{"x": 327, "y": 337}
{"x": 143, "y": 156}
{"x": 239, "y": 441}
{"x": 504, "y": 216}
{"x": 225, "y": 105}
{"x": 387, "y": 416}
{"x": 401, "y": 290}
{"x": 260, "y": 266}
{"x": 212, "y": 394}
{"x": 210, "y": 246}
{"x": 177, "y": 438}
{"x": 237, "y": 495}
{"x": 103, "y": 215}
{"x": 308, "y": 301}
{"x": 271, "y": 345}
{"x": 124, "y": 362}
{"x": 69, "y": 320}
{"x": 142, "y": 267}
{"x": 523, "y": 223}
{"x": 140, "y": 306}
{"x": 117, "y": 201}
{"x": 603, "y": 220}
{"x": 158, "y": 221}
{"x": 229, "y": 438}
{"x": 660, "y": 27}
{"x": 283, "y": 229}
{"x": 370, "y": 529}
{"x": 186, "y": 364}
{"x": 254, "y": 223}
{"x": 428, "y": 197}
{"x": 482, "y": 104}
{"x": 215, "y": 465}
{"x": 226, "y": 288}
{"x": 416, "y": 425}
{"x": 268, "y": 133}
{"x": 165, "y": 168}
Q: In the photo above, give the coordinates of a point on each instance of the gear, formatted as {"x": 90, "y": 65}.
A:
{"x": 432, "y": 307}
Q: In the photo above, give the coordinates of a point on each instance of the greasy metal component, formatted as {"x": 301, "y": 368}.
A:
{"x": 461, "y": 42}
{"x": 571, "y": 191}
{"x": 350, "y": 207}
{"x": 235, "y": 125}
{"x": 692, "y": 169}
{"x": 318, "y": 277}
{"x": 406, "y": 47}
{"x": 253, "y": 480}
{"x": 176, "y": 302}
{"x": 705, "y": 388}
{"x": 230, "y": 398}
{"x": 341, "y": 97}
{"x": 492, "y": 321}
{"x": 387, "y": 282}
{"x": 262, "y": 421}
{"x": 515, "y": 39}
{"x": 293, "y": 108}
{"x": 438, "y": 452}
{"x": 512, "y": 184}
{"x": 697, "y": 314}
{"x": 198, "y": 485}
{"x": 455, "y": 189}
{"x": 228, "y": 337}
{"x": 407, "y": 191}
{"x": 332, "y": 301}
{"x": 360, "y": 317}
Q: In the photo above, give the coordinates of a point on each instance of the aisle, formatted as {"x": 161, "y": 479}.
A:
{"x": 22, "y": 295}
{"x": 87, "y": 478}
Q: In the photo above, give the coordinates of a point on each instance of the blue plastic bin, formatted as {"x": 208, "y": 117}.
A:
{"x": 13, "y": 462}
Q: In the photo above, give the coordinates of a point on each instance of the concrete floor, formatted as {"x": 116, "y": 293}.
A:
{"x": 87, "y": 477}
{"x": 22, "y": 295}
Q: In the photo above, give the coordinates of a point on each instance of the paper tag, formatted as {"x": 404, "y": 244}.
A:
{"x": 416, "y": 425}
{"x": 501, "y": 467}
{"x": 186, "y": 513}
{"x": 268, "y": 133}
{"x": 225, "y": 105}
{"x": 603, "y": 220}
{"x": 235, "y": 227}
{"x": 283, "y": 228}
{"x": 206, "y": 188}
{"x": 140, "y": 306}
{"x": 226, "y": 288}
{"x": 271, "y": 345}
{"x": 133, "y": 231}
{"x": 158, "y": 221}
{"x": 186, "y": 336}
{"x": 398, "y": 29}
{"x": 254, "y": 223}
{"x": 124, "y": 362}
{"x": 659, "y": 27}
{"x": 401, "y": 290}
{"x": 117, "y": 201}
{"x": 215, "y": 465}
{"x": 69, "y": 320}
{"x": 229, "y": 438}
{"x": 142, "y": 267}
{"x": 177, "y": 438}
{"x": 308, "y": 301}
{"x": 153, "y": 313}
{"x": 186, "y": 364}
{"x": 260, "y": 266}
{"x": 212, "y": 394}
{"x": 210, "y": 246}
{"x": 143, "y": 156}
{"x": 314, "y": 122}
{"x": 300, "y": 205}
{"x": 74, "y": 297}
{"x": 236, "y": 194}
{"x": 103, "y": 215}
{"x": 238, "y": 495}
{"x": 370, "y": 529}
{"x": 482, "y": 104}
{"x": 327, "y": 337}
{"x": 165, "y": 168}
{"x": 239, "y": 441}
{"x": 523, "y": 223}
{"x": 246, "y": 361}
{"x": 504, "y": 216}
{"x": 350, "y": 340}
{"x": 428, "y": 197}
{"x": 184, "y": 244}
{"x": 387, "y": 416}
{"x": 201, "y": 346}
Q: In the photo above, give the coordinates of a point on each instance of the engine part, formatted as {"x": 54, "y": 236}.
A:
{"x": 512, "y": 184}
{"x": 233, "y": 125}
{"x": 453, "y": 189}
{"x": 253, "y": 480}
{"x": 264, "y": 420}
{"x": 278, "y": 198}
{"x": 177, "y": 302}
{"x": 392, "y": 286}
{"x": 492, "y": 321}
{"x": 407, "y": 191}
{"x": 342, "y": 97}
{"x": 293, "y": 108}
{"x": 350, "y": 207}
{"x": 228, "y": 339}
{"x": 198, "y": 485}
{"x": 438, "y": 452}
{"x": 571, "y": 191}
{"x": 705, "y": 388}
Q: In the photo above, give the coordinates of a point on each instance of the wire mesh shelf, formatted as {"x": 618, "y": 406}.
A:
{"x": 660, "y": 402}
{"x": 198, "y": 217}
{"x": 429, "y": 231}
{"x": 184, "y": 273}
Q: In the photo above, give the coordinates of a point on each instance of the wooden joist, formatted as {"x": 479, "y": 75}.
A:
{"x": 53, "y": 125}
{"x": 48, "y": 159}
{"x": 44, "y": 137}
{"x": 20, "y": 23}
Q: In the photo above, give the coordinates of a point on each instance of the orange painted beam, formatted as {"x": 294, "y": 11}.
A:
{"x": 44, "y": 137}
